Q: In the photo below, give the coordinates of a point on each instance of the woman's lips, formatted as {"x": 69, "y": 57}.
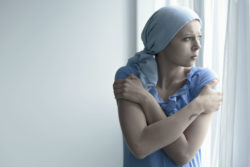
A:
{"x": 194, "y": 57}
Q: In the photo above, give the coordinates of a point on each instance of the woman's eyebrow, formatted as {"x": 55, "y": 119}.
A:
{"x": 185, "y": 34}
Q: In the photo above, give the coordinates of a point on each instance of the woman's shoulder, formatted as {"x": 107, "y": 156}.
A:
{"x": 199, "y": 78}
{"x": 124, "y": 71}
{"x": 203, "y": 75}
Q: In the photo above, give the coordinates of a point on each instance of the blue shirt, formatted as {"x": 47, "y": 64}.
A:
{"x": 196, "y": 79}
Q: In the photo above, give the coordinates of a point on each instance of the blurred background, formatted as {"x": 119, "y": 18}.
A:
{"x": 58, "y": 59}
{"x": 57, "y": 65}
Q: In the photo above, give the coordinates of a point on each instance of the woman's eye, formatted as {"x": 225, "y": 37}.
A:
{"x": 187, "y": 38}
{"x": 192, "y": 38}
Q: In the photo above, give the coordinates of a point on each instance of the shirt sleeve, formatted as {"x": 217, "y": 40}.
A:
{"x": 125, "y": 71}
{"x": 204, "y": 77}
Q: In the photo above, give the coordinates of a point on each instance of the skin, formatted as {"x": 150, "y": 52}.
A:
{"x": 145, "y": 126}
{"x": 175, "y": 61}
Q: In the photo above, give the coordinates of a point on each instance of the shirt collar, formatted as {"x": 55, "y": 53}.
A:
{"x": 181, "y": 91}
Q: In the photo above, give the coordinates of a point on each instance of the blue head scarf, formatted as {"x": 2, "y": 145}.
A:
{"x": 159, "y": 30}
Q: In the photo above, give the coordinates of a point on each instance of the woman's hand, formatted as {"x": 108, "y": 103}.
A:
{"x": 209, "y": 98}
{"x": 130, "y": 89}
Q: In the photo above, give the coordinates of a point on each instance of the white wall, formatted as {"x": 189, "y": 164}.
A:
{"x": 57, "y": 65}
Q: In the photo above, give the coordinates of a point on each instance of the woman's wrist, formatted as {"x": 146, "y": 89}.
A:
{"x": 151, "y": 108}
{"x": 144, "y": 98}
{"x": 147, "y": 101}
{"x": 199, "y": 102}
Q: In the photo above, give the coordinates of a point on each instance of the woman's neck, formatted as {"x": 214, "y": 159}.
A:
{"x": 171, "y": 75}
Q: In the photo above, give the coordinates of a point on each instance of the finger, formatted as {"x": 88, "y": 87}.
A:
{"x": 120, "y": 96}
{"x": 116, "y": 91}
{"x": 118, "y": 86}
{"x": 122, "y": 90}
{"x": 220, "y": 93}
{"x": 213, "y": 82}
{"x": 119, "y": 82}
{"x": 116, "y": 94}
{"x": 132, "y": 76}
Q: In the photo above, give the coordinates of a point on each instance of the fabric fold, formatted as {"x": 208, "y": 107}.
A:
{"x": 159, "y": 30}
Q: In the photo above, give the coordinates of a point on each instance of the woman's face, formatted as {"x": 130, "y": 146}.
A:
{"x": 182, "y": 50}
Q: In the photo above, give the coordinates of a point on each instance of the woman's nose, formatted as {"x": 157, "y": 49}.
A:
{"x": 196, "y": 44}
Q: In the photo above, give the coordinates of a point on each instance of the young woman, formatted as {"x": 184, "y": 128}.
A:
{"x": 165, "y": 103}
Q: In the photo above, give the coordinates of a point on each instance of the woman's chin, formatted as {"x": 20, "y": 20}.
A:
{"x": 188, "y": 65}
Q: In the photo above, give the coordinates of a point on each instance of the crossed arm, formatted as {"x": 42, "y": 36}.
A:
{"x": 183, "y": 149}
{"x": 147, "y": 129}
